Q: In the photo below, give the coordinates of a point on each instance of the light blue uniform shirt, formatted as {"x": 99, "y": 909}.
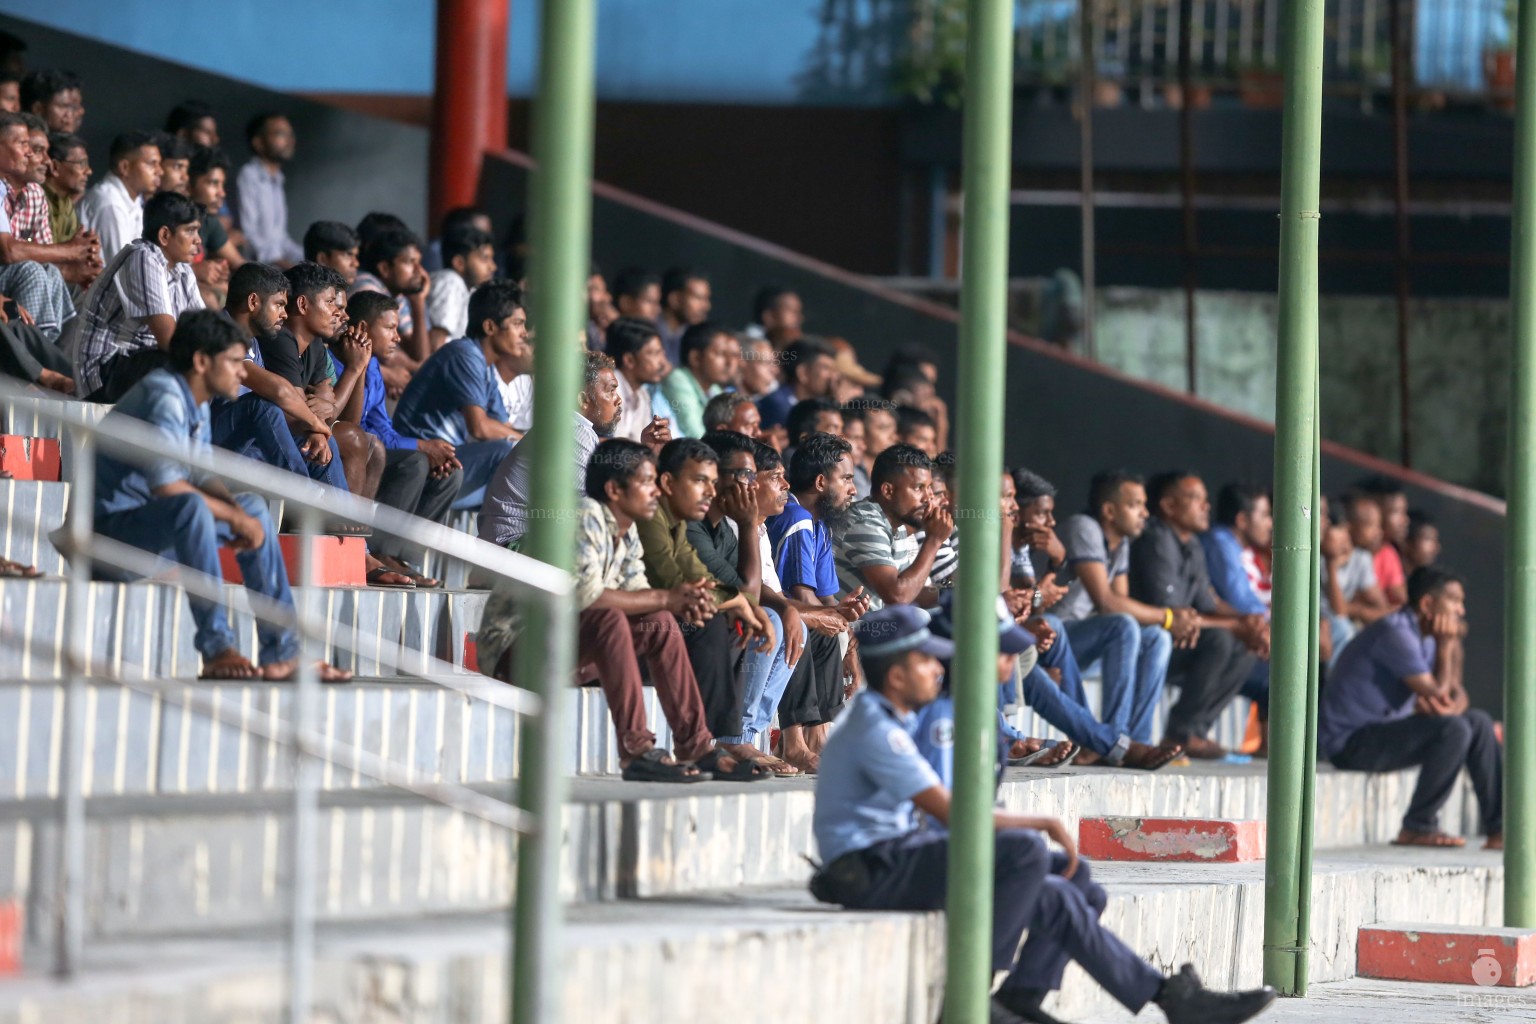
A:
{"x": 870, "y": 771}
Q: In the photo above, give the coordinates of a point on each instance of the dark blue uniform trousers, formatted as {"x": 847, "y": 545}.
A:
{"x": 1061, "y": 915}
{"x": 254, "y": 427}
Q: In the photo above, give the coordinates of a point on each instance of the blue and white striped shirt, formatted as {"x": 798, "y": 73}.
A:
{"x": 139, "y": 283}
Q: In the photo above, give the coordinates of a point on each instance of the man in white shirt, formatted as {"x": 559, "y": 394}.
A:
{"x": 634, "y": 345}
{"x": 114, "y": 207}
{"x": 469, "y": 260}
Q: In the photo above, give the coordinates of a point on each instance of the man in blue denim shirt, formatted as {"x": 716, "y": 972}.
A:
{"x": 167, "y": 509}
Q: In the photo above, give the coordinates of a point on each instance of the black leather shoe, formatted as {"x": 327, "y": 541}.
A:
{"x": 1184, "y": 999}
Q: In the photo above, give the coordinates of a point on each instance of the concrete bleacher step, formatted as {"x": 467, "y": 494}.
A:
{"x": 681, "y": 959}
{"x": 144, "y": 629}
{"x": 1192, "y": 840}
{"x": 1475, "y": 955}
{"x": 29, "y": 511}
{"x": 29, "y": 458}
{"x": 217, "y": 856}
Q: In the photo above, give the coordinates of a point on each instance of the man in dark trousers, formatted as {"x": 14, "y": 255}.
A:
{"x": 872, "y": 783}
{"x": 1395, "y": 700}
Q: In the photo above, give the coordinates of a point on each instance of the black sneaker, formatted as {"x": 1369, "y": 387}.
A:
{"x": 1184, "y": 999}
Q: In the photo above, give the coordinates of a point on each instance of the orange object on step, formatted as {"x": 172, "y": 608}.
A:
{"x": 30, "y": 458}
{"x": 12, "y": 920}
{"x": 338, "y": 561}
{"x": 471, "y": 654}
{"x": 1254, "y": 737}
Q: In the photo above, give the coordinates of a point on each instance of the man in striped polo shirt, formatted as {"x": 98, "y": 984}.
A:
{"x": 876, "y": 545}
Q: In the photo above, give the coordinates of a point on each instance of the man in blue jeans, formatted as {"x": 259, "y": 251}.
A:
{"x": 456, "y": 395}
{"x": 873, "y": 783}
{"x": 1084, "y": 573}
{"x": 167, "y": 509}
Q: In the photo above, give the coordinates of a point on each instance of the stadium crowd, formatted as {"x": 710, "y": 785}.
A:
{"x": 749, "y": 492}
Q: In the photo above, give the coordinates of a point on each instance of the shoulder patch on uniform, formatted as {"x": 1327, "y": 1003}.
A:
{"x": 900, "y": 742}
{"x": 942, "y": 733}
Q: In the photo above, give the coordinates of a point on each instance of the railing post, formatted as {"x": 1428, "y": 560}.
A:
{"x": 561, "y": 202}
{"x": 1287, "y": 887}
{"x": 1520, "y": 607}
{"x": 301, "y": 851}
{"x": 983, "y": 323}
{"x": 70, "y": 938}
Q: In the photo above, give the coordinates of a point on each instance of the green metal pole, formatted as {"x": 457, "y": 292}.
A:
{"x": 1309, "y": 755}
{"x": 1520, "y": 605}
{"x": 561, "y": 205}
{"x": 979, "y": 449}
{"x": 1285, "y": 889}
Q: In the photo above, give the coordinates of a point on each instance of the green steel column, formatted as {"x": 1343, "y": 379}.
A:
{"x": 979, "y": 447}
{"x": 1520, "y": 605}
{"x": 561, "y": 204}
{"x": 1286, "y": 891}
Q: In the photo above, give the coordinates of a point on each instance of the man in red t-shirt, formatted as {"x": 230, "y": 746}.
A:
{"x": 1389, "y": 494}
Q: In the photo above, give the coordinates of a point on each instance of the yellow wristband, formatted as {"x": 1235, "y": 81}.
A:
{"x": 1168, "y": 619}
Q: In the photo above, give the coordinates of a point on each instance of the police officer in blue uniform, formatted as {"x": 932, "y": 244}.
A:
{"x": 873, "y": 781}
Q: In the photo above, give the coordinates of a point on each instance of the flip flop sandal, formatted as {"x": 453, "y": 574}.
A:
{"x": 376, "y": 576}
{"x": 777, "y": 767}
{"x": 212, "y": 673}
{"x": 1030, "y": 758}
{"x": 745, "y": 771}
{"x": 650, "y": 767}
{"x": 1436, "y": 840}
{"x": 1064, "y": 762}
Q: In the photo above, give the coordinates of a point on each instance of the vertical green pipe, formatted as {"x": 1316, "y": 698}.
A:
{"x": 1295, "y": 465}
{"x": 1309, "y": 756}
{"x": 1520, "y": 605}
{"x": 979, "y": 449}
{"x": 561, "y": 204}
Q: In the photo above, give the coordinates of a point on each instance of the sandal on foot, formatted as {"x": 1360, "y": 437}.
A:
{"x": 17, "y": 570}
{"x": 379, "y": 577}
{"x": 416, "y": 576}
{"x": 744, "y": 771}
{"x": 1435, "y": 838}
{"x": 655, "y": 765}
{"x": 777, "y": 767}
{"x": 229, "y": 665}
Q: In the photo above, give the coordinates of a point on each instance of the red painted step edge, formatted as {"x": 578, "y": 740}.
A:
{"x": 339, "y": 561}
{"x": 1193, "y": 840}
{"x": 30, "y": 458}
{"x": 1481, "y": 956}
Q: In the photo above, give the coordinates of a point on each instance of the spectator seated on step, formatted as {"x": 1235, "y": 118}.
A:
{"x": 113, "y": 208}
{"x": 708, "y": 361}
{"x": 876, "y": 857}
{"x": 55, "y": 96}
{"x": 333, "y": 244}
{"x": 1354, "y": 566}
{"x": 1237, "y": 554}
{"x": 942, "y": 575}
{"x": 853, "y": 433}
{"x": 778, "y": 316}
{"x": 456, "y": 395}
{"x": 688, "y": 475}
{"x": 175, "y": 155}
{"x": 456, "y": 219}
{"x": 420, "y": 476}
{"x": 685, "y": 302}
{"x": 911, "y": 378}
{"x": 1388, "y": 562}
{"x": 469, "y": 257}
{"x": 1082, "y": 576}
{"x": 504, "y": 515}
{"x": 623, "y": 620}
{"x": 195, "y": 123}
{"x": 1215, "y": 646}
{"x": 298, "y": 353}
{"x": 391, "y": 263}
{"x": 807, "y": 371}
{"x": 1423, "y": 546}
{"x": 165, "y": 509}
{"x": 34, "y": 272}
{"x": 875, "y": 544}
{"x": 69, "y": 175}
{"x": 10, "y": 91}
{"x": 208, "y": 176}
{"x": 637, "y": 293}
{"x": 634, "y": 345}
{"x": 918, "y": 429}
{"x": 734, "y": 411}
{"x": 261, "y": 197}
{"x": 271, "y": 419}
{"x": 1395, "y": 699}
{"x": 759, "y": 367}
{"x": 128, "y": 315}
{"x": 820, "y": 495}
{"x": 815, "y": 416}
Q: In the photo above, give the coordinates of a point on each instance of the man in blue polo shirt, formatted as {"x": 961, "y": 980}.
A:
{"x": 874, "y": 782}
{"x": 1395, "y": 700}
{"x": 821, "y": 490}
{"x": 456, "y": 395}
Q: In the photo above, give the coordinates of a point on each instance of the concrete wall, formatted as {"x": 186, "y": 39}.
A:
{"x": 1458, "y": 361}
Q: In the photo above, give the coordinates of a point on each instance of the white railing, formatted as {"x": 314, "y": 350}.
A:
{"x": 536, "y": 818}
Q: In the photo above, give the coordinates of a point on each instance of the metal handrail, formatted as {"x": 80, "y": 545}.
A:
{"x": 136, "y": 442}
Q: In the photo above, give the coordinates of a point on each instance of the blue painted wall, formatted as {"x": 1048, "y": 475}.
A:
{"x": 729, "y": 51}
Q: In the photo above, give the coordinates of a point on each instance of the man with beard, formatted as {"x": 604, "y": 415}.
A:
{"x": 391, "y": 264}
{"x": 261, "y": 205}
{"x": 821, "y": 492}
{"x": 876, "y": 544}
{"x": 504, "y": 515}
{"x": 456, "y": 395}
